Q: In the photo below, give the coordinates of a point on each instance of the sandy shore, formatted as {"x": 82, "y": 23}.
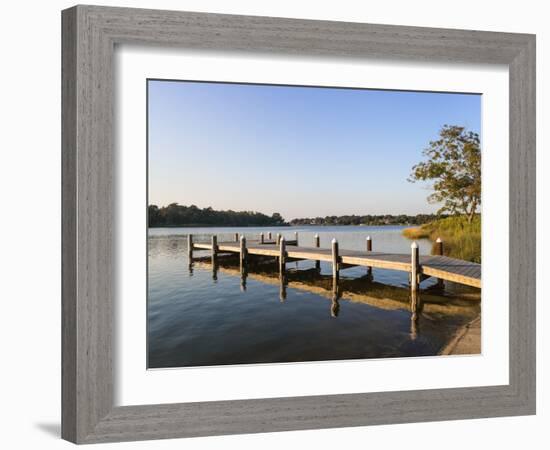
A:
{"x": 466, "y": 341}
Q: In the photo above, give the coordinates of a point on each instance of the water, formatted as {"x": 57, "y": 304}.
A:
{"x": 200, "y": 314}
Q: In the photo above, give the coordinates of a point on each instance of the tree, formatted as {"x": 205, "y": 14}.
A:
{"x": 179, "y": 215}
{"x": 277, "y": 218}
{"x": 454, "y": 163}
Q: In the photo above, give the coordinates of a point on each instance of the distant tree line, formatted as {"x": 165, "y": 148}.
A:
{"x": 175, "y": 215}
{"x": 385, "y": 219}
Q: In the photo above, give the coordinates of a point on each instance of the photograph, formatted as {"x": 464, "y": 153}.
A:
{"x": 289, "y": 224}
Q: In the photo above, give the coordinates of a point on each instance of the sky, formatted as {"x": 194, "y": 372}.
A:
{"x": 298, "y": 151}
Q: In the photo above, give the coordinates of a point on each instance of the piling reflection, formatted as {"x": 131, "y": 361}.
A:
{"x": 362, "y": 289}
{"x": 283, "y": 281}
{"x": 244, "y": 276}
{"x": 215, "y": 267}
{"x": 335, "y": 304}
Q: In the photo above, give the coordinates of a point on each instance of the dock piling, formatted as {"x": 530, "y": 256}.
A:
{"x": 269, "y": 235}
{"x": 282, "y": 255}
{"x": 236, "y": 237}
{"x": 214, "y": 257}
{"x": 316, "y": 243}
{"x": 296, "y": 237}
{"x": 335, "y": 260}
{"x": 242, "y": 254}
{"x": 369, "y": 249}
{"x": 261, "y": 238}
{"x": 190, "y": 247}
{"x": 439, "y": 252}
{"x": 214, "y": 245}
{"x": 439, "y": 247}
{"x": 415, "y": 272}
{"x": 278, "y": 239}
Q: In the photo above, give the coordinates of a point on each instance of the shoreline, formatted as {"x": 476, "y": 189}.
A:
{"x": 466, "y": 340}
{"x": 279, "y": 226}
{"x": 220, "y": 226}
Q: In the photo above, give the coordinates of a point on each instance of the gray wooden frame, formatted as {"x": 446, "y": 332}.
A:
{"x": 89, "y": 36}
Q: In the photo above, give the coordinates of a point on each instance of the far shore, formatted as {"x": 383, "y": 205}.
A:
{"x": 202, "y": 225}
{"x": 199, "y": 225}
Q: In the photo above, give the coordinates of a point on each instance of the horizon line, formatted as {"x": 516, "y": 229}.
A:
{"x": 301, "y": 217}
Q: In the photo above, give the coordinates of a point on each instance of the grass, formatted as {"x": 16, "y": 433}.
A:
{"x": 461, "y": 240}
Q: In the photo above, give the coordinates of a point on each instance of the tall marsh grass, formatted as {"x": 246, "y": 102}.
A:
{"x": 461, "y": 239}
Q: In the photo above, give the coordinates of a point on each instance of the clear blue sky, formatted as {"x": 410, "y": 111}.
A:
{"x": 299, "y": 151}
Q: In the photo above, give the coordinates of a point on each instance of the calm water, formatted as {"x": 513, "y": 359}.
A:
{"x": 203, "y": 315}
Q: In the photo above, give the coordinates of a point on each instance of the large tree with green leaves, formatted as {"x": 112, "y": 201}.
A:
{"x": 453, "y": 162}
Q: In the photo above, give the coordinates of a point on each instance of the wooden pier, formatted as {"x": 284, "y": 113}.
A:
{"x": 418, "y": 267}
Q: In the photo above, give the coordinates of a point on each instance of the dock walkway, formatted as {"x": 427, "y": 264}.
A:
{"x": 419, "y": 267}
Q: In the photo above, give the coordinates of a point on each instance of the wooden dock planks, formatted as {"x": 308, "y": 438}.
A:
{"x": 443, "y": 267}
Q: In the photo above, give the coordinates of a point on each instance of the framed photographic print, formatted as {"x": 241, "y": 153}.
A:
{"x": 278, "y": 224}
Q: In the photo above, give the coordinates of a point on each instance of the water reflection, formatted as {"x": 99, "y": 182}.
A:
{"x": 283, "y": 281}
{"x": 244, "y": 275}
{"x": 335, "y": 305}
{"x": 363, "y": 289}
{"x": 215, "y": 266}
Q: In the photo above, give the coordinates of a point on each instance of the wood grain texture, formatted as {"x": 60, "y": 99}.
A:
{"x": 89, "y": 36}
{"x": 68, "y": 226}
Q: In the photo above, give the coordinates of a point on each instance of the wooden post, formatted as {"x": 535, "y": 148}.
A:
{"x": 414, "y": 267}
{"x": 261, "y": 238}
{"x": 215, "y": 257}
{"x": 316, "y": 243}
{"x": 296, "y": 237}
{"x": 190, "y": 246}
{"x": 278, "y": 239}
{"x": 439, "y": 247}
{"x": 236, "y": 237}
{"x": 242, "y": 254}
{"x": 335, "y": 260}
{"x": 369, "y": 249}
{"x": 282, "y": 256}
{"x": 214, "y": 245}
{"x": 269, "y": 235}
{"x": 439, "y": 251}
{"x": 190, "y": 253}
